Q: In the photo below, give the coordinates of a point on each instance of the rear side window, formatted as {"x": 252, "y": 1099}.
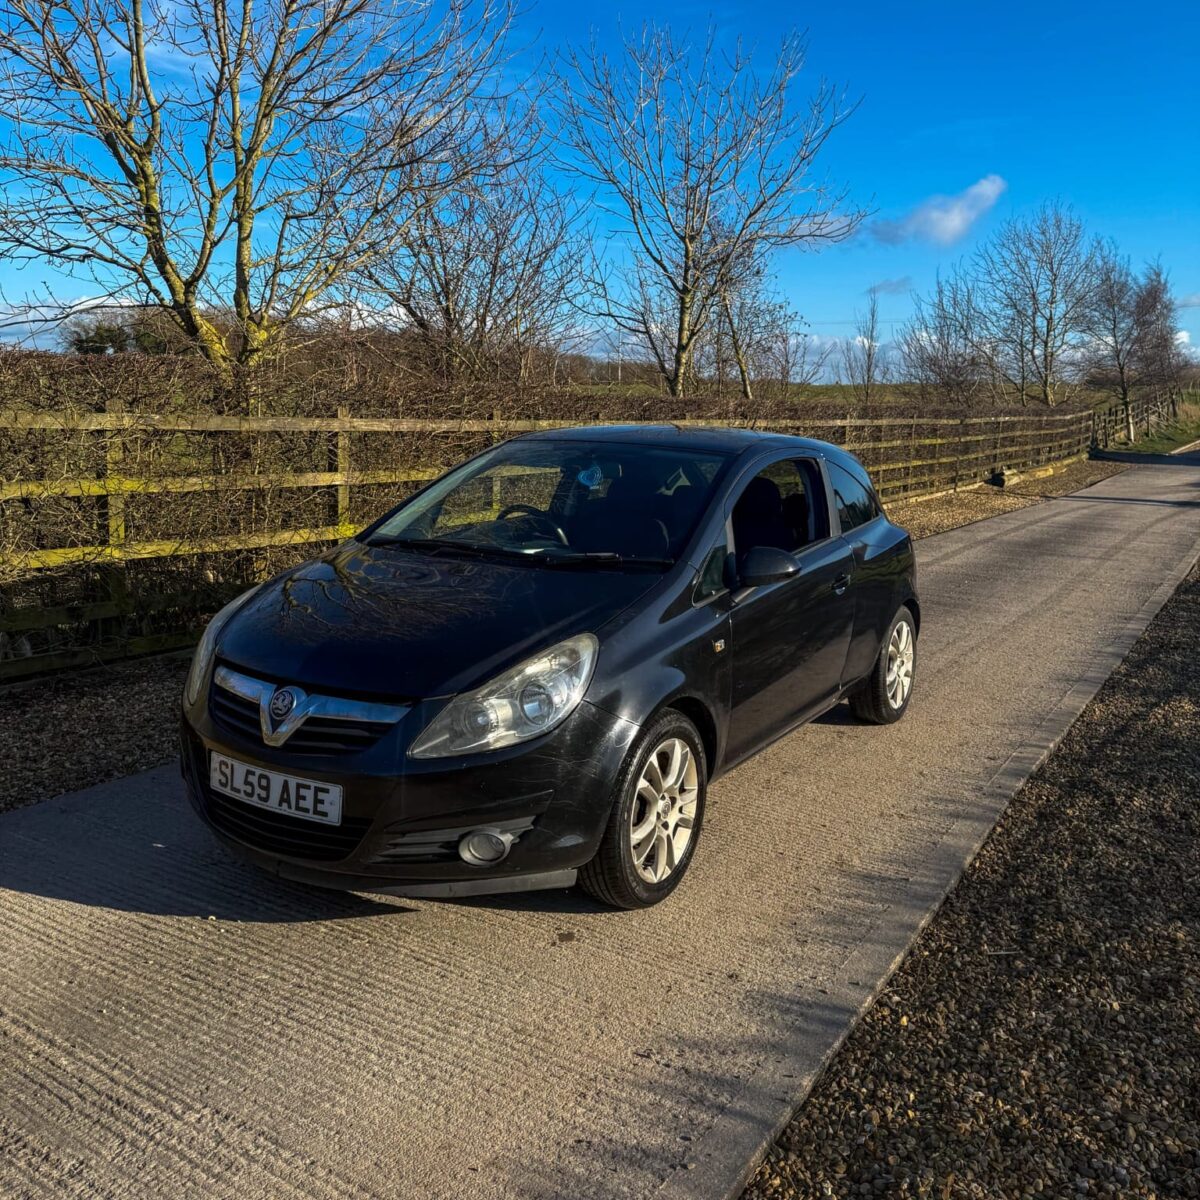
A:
{"x": 855, "y": 504}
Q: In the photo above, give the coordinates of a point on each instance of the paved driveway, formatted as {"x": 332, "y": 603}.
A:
{"x": 171, "y": 1024}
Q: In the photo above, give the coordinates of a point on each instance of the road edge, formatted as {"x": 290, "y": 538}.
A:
{"x": 724, "y": 1159}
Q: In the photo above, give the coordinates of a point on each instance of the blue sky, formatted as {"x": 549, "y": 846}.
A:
{"x": 995, "y": 107}
{"x": 1094, "y": 104}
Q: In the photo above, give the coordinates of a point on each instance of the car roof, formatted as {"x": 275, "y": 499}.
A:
{"x": 697, "y": 437}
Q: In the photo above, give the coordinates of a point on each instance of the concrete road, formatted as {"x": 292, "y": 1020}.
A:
{"x": 171, "y": 1024}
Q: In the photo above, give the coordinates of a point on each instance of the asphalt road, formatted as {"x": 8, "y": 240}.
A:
{"x": 171, "y": 1024}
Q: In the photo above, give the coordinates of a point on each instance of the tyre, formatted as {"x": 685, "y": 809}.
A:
{"x": 883, "y": 696}
{"x": 655, "y": 822}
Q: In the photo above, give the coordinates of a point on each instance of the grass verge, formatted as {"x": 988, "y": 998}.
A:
{"x": 1182, "y": 432}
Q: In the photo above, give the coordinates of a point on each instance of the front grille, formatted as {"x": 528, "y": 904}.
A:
{"x": 278, "y": 833}
{"x": 317, "y": 735}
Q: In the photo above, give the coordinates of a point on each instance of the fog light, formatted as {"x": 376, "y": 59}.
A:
{"x": 483, "y": 847}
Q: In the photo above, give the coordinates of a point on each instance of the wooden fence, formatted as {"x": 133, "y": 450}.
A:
{"x": 909, "y": 456}
{"x": 1124, "y": 423}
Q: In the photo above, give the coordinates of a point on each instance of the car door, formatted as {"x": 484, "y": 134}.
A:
{"x": 873, "y": 578}
{"x": 789, "y": 639}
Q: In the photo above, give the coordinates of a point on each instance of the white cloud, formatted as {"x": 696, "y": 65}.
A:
{"x": 943, "y": 220}
{"x": 1183, "y": 337}
{"x": 1192, "y": 300}
{"x": 36, "y": 323}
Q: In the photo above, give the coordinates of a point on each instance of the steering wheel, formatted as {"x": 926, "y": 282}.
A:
{"x": 527, "y": 510}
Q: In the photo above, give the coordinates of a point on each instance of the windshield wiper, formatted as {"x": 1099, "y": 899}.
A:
{"x": 546, "y": 557}
{"x": 602, "y": 558}
{"x": 433, "y": 545}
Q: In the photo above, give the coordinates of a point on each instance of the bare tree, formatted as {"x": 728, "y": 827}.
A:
{"x": 1117, "y": 319}
{"x": 1113, "y": 323}
{"x": 1134, "y": 344}
{"x": 791, "y": 359}
{"x": 1158, "y": 358}
{"x": 756, "y": 337}
{"x": 1013, "y": 321}
{"x": 861, "y": 356}
{"x": 743, "y": 313}
{"x": 1034, "y": 284}
{"x": 483, "y": 280}
{"x": 704, "y": 163}
{"x": 204, "y": 157}
{"x": 941, "y": 348}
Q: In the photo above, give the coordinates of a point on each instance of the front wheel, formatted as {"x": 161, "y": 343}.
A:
{"x": 655, "y": 822}
{"x": 883, "y": 696}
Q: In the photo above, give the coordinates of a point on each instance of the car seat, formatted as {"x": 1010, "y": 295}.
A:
{"x": 795, "y": 515}
{"x": 623, "y": 520}
{"x": 758, "y": 517}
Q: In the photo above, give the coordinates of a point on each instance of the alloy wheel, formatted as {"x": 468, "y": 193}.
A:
{"x": 663, "y": 814}
{"x": 900, "y": 664}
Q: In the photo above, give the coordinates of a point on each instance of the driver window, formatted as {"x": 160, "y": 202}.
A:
{"x": 782, "y": 506}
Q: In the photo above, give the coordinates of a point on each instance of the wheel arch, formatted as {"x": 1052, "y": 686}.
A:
{"x": 914, "y": 606}
{"x": 700, "y": 715}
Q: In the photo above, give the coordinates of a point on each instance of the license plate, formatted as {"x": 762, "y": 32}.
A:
{"x": 307, "y": 798}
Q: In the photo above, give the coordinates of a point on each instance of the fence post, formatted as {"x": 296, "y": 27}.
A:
{"x": 497, "y": 494}
{"x": 343, "y": 468}
{"x": 912, "y": 453}
{"x": 114, "y": 456}
{"x": 114, "y": 572}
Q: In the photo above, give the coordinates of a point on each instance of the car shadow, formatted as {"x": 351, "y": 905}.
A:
{"x": 564, "y": 901}
{"x": 1087, "y": 498}
{"x": 1190, "y": 459}
{"x": 839, "y": 714}
{"x": 145, "y": 851}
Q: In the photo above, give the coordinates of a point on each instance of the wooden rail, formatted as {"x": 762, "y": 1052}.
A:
{"x": 908, "y": 457}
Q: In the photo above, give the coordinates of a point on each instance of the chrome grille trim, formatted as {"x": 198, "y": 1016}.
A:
{"x": 331, "y": 708}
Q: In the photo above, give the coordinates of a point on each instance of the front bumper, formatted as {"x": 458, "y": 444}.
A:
{"x": 402, "y": 819}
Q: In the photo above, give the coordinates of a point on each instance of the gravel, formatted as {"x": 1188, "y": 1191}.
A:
{"x": 936, "y": 515}
{"x": 1042, "y": 1038}
{"x": 72, "y": 731}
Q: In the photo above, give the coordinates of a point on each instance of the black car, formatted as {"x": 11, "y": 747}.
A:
{"x": 530, "y": 671}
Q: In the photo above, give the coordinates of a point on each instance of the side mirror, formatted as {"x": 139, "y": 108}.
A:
{"x": 761, "y": 565}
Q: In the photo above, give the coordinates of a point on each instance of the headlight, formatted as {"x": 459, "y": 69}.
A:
{"x": 208, "y": 644}
{"x": 524, "y": 702}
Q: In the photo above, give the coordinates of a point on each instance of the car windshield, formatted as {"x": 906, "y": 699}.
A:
{"x": 563, "y": 502}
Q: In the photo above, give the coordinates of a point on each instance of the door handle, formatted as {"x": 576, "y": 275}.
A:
{"x": 840, "y": 584}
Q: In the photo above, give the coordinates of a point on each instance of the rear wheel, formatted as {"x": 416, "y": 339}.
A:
{"x": 655, "y": 822}
{"x": 883, "y": 696}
